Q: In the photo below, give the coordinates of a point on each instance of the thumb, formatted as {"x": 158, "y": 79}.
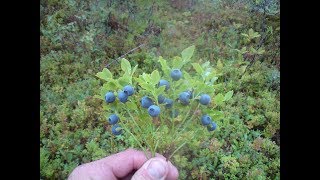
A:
{"x": 154, "y": 169}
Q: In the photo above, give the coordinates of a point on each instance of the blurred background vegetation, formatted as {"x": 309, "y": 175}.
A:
{"x": 240, "y": 37}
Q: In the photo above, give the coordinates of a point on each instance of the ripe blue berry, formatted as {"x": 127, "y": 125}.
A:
{"x": 205, "y": 99}
{"x": 184, "y": 98}
{"x": 212, "y": 126}
{"x": 176, "y": 74}
{"x": 161, "y": 99}
{"x": 146, "y": 102}
{"x": 128, "y": 90}
{"x": 116, "y": 129}
{"x": 123, "y": 97}
{"x": 206, "y": 120}
{"x": 154, "y": 110}
{"x": 190, "y": 93}
{"x": 109, "y": 97}
{"x": 113, "y": 119}
{"x": 168, "y": 102}
{"x": 163, "y": 82}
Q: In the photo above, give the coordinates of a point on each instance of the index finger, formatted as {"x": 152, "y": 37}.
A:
{"x": 123, "y": 163}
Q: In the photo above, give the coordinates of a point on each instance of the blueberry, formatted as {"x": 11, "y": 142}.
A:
{"x": 123, "y": 97}
{"x": 154, "y": 110}
{"x": 212, "y": 126}
{"x": 146, "y": 102}
{"x": 168, "y": 102}
{"x": 206, "y": 120}
{"x": 205, "y": 99}
{"x": 110, "y": 97}
{"x": 190, "y": 93}
{"x": 116, "y": 129}
{"x": 113, "y": 119}
{"x": 176, "y": 74}
{"x": 128, "y": 90}
{"x": 163, "y": 82}
{"x": 161, "y": 99}
{"x": 184, "y": 98}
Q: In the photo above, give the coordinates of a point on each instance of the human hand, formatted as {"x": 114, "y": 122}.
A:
{"x": 128, "y": 164}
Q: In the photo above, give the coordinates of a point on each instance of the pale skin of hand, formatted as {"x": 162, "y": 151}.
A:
{"x": 128, "y": 164}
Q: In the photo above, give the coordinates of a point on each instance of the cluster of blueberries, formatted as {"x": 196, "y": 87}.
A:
{"x": 123, "y": 97}
{"x": 154, "y": 110}
{"x": 205, "y": 99}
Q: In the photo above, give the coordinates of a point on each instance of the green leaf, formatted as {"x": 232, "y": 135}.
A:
{"x": 250, "y": 32}
{"x": 215, "y": 114}
{"x": 187, "y": 53}
{"x": 139, "y": 80}
{"x": 103, "y": 93}
{"x": 124, "y": 80}
{"x": 131, "y": 105}
{"x": 208, "y": 89}
{"x": 201, "y": 86}
{"x": 105, "y": 74}
{"x": 243, "y": 50}
{"x": 198, "y": 68}
{"x": 210, "y": 81}
{"x": 160, "y": 90}
{"x": 155, "y": 77}
{"x": 228, "y": 95}
{"x": 219, "y": 64}
{"x": 218, "y": 99}
{"x": 213, "y": 74}
{"x": 186, "y": 75}
{"x": 242, "y": 69}
{"x": 245, "y": 35}
{"x": 253, "y": 50}
{"x": 147, "y": 86}
{"x": 125, "y": 66}
{"x": 112, "y": 85}
{"x": 177, "y": 63}
{"x": 183, "y": 85}
{"x": 234, "y": 147}
{"x": 205, "y": 65}
{"x": 260, "y": 51}
{"x": 255, "y": 35}
{"x": 218, "y": 86}
{"x": 146, "y": 77}
{"x": 214, "y": 79}
{"x": 134, "y": 70}
{"x": 164, "y": 66}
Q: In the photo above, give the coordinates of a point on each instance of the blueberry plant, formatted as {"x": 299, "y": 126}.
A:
{"x": 167, "y": 101}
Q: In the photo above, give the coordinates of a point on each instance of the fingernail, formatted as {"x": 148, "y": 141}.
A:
{"x": 157, "y": 169}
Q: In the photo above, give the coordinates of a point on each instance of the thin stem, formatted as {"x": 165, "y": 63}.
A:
{"x": 134, "y": 121}
{"x": 172, "y": 121}
{"x": 134, "y": 137}
{"x": 155, "y": 148}
{"x": 177, "y": 149}
{"x": 188, "y": 114}
{"x": 185, "y": 118}
{"x": 189, "y": 119}
{"x": 116, "y": 60}
{"x": 136, "y": 124}
{"x": 179, "y": 133}
{"x": 182, "y": 145}
{"x": 173, "y": 88}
